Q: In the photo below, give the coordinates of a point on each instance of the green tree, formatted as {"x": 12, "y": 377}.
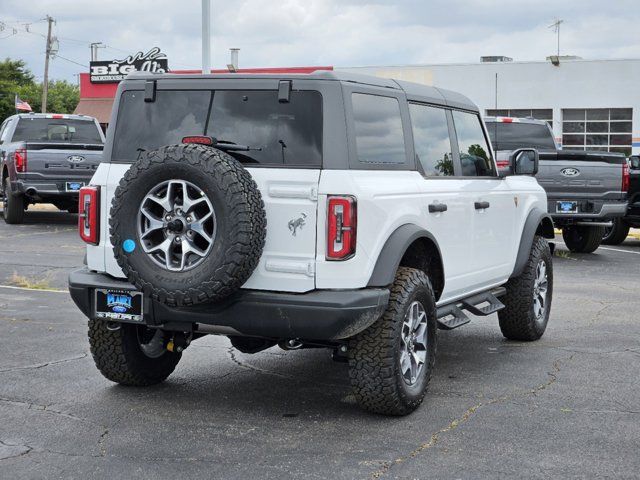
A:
{"x": 15, "y": 78}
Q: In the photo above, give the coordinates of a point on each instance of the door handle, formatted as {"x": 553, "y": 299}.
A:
{"x": 437, "y": 207}
{"x": 482, "y": 205}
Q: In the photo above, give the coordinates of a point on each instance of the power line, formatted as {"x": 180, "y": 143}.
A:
{"x": 72, "y": 61}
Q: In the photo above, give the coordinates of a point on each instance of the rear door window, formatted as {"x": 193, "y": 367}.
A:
{"x": 431, "y": 139}
{"x": 378, "y": 129}
{"x": 278, "y": 133}
{"x": 475, "y": 155}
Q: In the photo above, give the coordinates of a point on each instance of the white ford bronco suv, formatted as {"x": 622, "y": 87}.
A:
{"x": 334, "y": 210}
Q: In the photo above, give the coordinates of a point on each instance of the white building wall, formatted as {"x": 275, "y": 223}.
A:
{"x": 526, "y": 85}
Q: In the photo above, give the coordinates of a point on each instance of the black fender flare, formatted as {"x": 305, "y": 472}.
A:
{"x": 392, "y": 252}
{"x": 537, "y": 221}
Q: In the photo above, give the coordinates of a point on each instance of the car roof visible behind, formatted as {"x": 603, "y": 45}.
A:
{"x": 533, "y": 121}
{"x": 67, "y": 116}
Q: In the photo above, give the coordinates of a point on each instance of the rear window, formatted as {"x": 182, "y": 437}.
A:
{"x": 56, "y": 130}
{"x": 509, "y": 136}
{"x": 281, "y": 133}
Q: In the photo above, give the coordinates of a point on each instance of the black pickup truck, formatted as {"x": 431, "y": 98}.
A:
{"x": 586, "y": 190}
{"x": 617, "y": 233}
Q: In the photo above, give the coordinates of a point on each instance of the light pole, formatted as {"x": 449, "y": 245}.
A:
{"x": 206, "y": 36}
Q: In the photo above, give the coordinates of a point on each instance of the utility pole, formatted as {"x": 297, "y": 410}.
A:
{"x": 45, "y": 85}
{"x": 206, "y": 37}
{"x": 556, "y": 28}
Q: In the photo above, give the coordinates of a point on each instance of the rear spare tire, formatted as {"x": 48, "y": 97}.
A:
{"x": 582, "y": 238}
{"x": 187, "y": 224}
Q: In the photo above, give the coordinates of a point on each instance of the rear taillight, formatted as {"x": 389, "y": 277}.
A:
{"x": 20, "y": 160}
{"x": 341, "y": 227}
{"x": 625, "y": 177}
{"x": 88, "y": 214}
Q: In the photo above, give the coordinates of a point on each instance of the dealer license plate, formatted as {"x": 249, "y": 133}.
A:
{"x": 567, "y": 207}
{"x": 124, "y": 305}
{"x": 74, "y": 186}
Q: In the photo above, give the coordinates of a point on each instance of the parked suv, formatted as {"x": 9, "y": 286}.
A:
{"x": 332, "y": 210}
{"x": 46, "y": 158}
{"x": 619, "y": 230}
{"x": 586, "y": 190}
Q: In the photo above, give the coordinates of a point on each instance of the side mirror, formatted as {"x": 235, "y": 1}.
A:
{"x": 524, "y": 161}
{"x": 634, "y": 163}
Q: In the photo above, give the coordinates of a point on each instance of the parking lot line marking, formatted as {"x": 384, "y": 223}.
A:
{"x": 13, "y": 287}
{"x": 619, "y": 250}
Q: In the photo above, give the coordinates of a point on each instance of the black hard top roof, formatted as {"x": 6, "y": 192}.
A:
{"x": 414, "y": 91}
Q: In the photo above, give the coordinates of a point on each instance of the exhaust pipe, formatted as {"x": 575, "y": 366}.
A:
{"x": 31, "y": 192}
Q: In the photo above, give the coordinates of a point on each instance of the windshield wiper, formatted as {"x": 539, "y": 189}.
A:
{"x": 227, "y": 145}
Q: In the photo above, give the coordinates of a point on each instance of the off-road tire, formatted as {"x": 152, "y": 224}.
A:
{"x": 582, "y": 238}
{"x": 517, "y": 320}
{"x": 13, "y": 205}
{"x": 119, "y": 358}
{"x": 240, "y": 216}
{"x": 374, "y": 354}
{"x": 617, "y": 233}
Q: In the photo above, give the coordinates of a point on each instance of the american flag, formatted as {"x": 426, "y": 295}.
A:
{"x": 22, "y": 105}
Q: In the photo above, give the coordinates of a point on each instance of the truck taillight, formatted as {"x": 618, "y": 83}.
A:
{"x": 625, "y": 177}
{"x": 341, "y": 227}
{"x": 89, "y": 214}
{"x": 20, "y": 160}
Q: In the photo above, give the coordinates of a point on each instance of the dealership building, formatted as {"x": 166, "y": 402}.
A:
{"x": 590, "y": 104}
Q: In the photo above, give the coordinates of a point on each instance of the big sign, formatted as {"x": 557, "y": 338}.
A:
{"x": 112, "y": 71}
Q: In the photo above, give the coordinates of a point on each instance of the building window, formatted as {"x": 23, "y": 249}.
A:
{"x": 603, "y": 129}
{"x": 545, "y": 114}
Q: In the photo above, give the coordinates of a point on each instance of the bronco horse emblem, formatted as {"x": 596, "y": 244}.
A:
{"x": 296, "y": 223}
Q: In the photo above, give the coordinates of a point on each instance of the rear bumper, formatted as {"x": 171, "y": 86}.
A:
{"x": 316, "y": 315}
{"x": 46, "y": 189}
{"x": 587, "y": 210}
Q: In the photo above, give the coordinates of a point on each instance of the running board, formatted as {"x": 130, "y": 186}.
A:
{"x": 453, "y": 316}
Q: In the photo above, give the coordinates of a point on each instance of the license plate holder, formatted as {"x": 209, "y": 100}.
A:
{"x": 119, "y": 305}
{"x": 73, "y": 186}
{"x": 566, "y": 207}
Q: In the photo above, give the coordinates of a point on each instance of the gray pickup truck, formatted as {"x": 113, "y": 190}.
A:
{"x": 46, "y": 158}
{"x": 586, "y": 190}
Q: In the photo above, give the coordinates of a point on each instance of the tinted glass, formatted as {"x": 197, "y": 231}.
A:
{"x": 149, "y": 125}
{"x": 56, "y": 130}
{"x": 509, "y": 136}
{"x": 286, "y": 133}
{"x": 378, "y": 126}
{"x": 475, "y": 155}
{"x": 431, "y": 138}
{"x": 282, "y": 133}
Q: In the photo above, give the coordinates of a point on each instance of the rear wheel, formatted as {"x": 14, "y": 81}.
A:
{"x": 617, "y": 233}
{"x": 12, "y": 205}
{"x": 131, "y": 354}
{"x": 528, "y": 298}
{"x": 390, "y": 363}
{"x": 582, "y": 238}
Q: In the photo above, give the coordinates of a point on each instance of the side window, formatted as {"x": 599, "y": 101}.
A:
{"x": 4, "y": 131}
{"x": 378, "y": 127}
{"x": 431, "y": 138}
{"x": 475, "y": 156}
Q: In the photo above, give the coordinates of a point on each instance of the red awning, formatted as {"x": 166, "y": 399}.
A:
{"x": 99, "y": 108}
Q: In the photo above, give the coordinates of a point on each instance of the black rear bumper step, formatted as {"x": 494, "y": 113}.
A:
{"x": 453, "y": 316}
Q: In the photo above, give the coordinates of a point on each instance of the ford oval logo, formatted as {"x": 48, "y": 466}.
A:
{"x": 119, "y": 309}
{"x": 570, "y": 172}
{"x": 75, "y": 159}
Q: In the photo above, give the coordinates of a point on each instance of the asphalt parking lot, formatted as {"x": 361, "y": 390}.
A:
{"x": 567, "y": 405}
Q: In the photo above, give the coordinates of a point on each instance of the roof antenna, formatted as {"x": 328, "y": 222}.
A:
{"x": 556, "y": 28}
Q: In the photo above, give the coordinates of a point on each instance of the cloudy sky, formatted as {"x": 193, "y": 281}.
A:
{"x": 319, "y": 32}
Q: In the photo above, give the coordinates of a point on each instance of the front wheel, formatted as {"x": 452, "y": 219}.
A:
{"x": 131, "y": 354}
{"x": 528, "y": 298}
{"x": 582, "y": 238}
{"x": 617, "y": 233}
{"x": 12, "y": 205}
{"x": 390, "y": 363}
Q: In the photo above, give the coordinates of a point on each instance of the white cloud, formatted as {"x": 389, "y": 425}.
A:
{"x": 327, "y": 32}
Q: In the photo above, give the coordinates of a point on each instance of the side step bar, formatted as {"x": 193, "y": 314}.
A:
{"x": 453, "y": 316}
